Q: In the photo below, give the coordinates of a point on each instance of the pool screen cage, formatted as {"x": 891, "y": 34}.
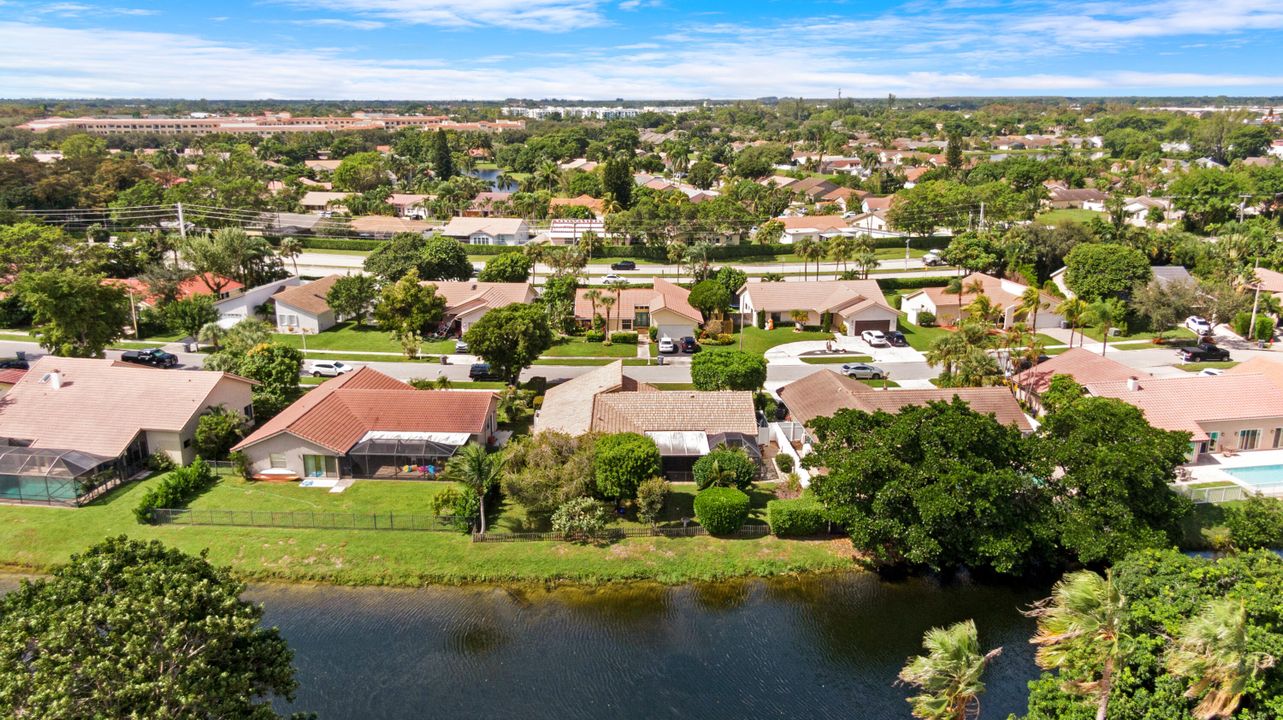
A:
{"x": 404, "y": 455}
{"x": 50, "y": 476}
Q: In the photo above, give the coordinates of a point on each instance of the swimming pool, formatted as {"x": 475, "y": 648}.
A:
{"x": 1259, "y": 476}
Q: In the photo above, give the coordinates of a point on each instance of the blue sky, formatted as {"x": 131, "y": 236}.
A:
{"x": 594, "y": 49}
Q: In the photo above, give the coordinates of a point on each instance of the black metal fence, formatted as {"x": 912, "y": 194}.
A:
{"x": 304, "y": 519}
{"x": 747, "y": 531}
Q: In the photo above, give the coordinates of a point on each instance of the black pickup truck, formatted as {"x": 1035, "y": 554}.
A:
{"x": 1203, "y": 353}
{"x": 152, "y": 356}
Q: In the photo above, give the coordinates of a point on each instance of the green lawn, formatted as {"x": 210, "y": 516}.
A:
{"x": 348, "y": 336}
{"x": 578, "y": 347}
{"x": 1067, "y": 215}
{"x": 920, "y": 338}
{"x": 835, "y": 359}
{"x": 1178, "y": 333}
{"x": 880, "y": 383}
{"x": 672, "y": 386}
{"x": 1198, "y": 366}
{"x": 33, "y": 539}
{"x": 366, "y": 496}
{"x": 758, "y": 341}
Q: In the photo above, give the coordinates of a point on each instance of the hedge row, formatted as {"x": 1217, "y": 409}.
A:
{"x": 795, "y": 518}
{"x": 721, "y": 510}
{"x": 912, "y": 283}
{"x": 176, "y": 489}
{"x": 626, "y": 337}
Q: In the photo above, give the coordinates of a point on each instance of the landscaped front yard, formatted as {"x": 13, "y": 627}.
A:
{"x": 350, "y": 337}
{"x": 578, "y": 347}
{"x": 365, "y": 496}
{"x": 758, "y": 341}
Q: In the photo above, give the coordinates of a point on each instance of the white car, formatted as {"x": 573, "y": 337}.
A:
{"x": 1198, "y": 325}
{"x": 666, "y": 345}
{"x": 611, "y": 278}
{"x": 460, "y": 346}
{"x": 326, "y": 368}
{"x": 874, "y": 337}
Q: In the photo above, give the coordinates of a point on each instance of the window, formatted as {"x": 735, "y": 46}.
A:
{"x": 248, "y": 411}
{"x": 320, "y": 466}
{"x": 1248, "y": 439}
{"x": 287, "y": 320}
{"x": 641, "y": 318}
{"x": 625, "y": 324}
{"x": 1278, "y": 437}
{"x": 277, "y": 460}
{"x": 187, "y": 442}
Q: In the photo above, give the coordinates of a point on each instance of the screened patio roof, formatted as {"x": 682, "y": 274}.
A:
{"x": 48, "y": 462}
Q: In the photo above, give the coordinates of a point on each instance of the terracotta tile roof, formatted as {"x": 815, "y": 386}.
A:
{"x": 462, "y": 227}
{"x": 1003, "y": 293}
{"x": 339, "y": 412}
{"x": 1271, "y": 281}
{"x": 1267, "y": 367}
{"x": 819, "y": 296}
{"x": 1184, "y": 403}
{"x": 195, "y": 285}
{"x": 823, "y": 393}
{"x": 309, "y": 297}
{"x": 11, "y": 376}
{"x": 690, "y": 410}
{"x": 1082, "y": 365}
{"x": 588, "y": 201}
{"x": 821, "y": 223}
{"x": 466, "y": 295}
{"x": 877, "y": 203}
{"x": 102, "y": 405}
{"x": 568, "y": 407}
{"x": 664, "y": 295}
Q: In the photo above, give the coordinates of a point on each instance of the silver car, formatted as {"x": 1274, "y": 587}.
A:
{"x": 863, "y": 371}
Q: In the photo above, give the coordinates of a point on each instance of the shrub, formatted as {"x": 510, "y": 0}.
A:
{"x": 1264, "y": 328}
{"x": 650, "y": 499}
{"x": 717, "y": 339}
{"x": 624, "y": 338}
{"x": 623, "y": 461}
{"x": 653, "y": 332}
{"x": 721, "y": 510}
{"x": 579, "y": 518}
{"x": 794, "y": 518}
{"x": 724, "y": 467}
{"x": 240, "y": 461}
{"x": 444, "y": 502}
{"x": 160, "y": 462}
{"x": 784, "y": 463}
{"x": 728, "y": 370}
{"x": 466, "y": 509}
{"x": 926, "y": 318}
{"x": 594, "y": 335}
{"x": 761, "y": 320}
{"x": 1240, "y": 324}
{"x": 1257, "y": 523}
{"x": 175, "y": 490}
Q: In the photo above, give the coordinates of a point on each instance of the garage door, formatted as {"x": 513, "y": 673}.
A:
{"x": 676, "y": 332}
{"x": 859, "y": 326}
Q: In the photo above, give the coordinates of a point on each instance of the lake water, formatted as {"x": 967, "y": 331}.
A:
{"x": 817, "y": 647}
{"x": 492, "y": 176}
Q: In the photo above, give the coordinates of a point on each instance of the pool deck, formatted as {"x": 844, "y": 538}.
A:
{"x": 1212, "y": 468}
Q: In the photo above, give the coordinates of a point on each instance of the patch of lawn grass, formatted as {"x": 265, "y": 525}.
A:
{"x": 1198, "y": 366}
{"x": 834, "y": 359}
{"x": 758, "y": 341}
{"x": 574, "y": 362}
{"x": 578, "y": 347}
{"x": 672, "y": 386}
{"x": 365, "y": 496}
{"x": 880, "y": 383}
{"x": 33, "y": 539}
{"x": 1066, "y": 215}
{"x": 918, "y": 337}
{"x": 1178, "y": 333}
{"x": 353, "y": 338}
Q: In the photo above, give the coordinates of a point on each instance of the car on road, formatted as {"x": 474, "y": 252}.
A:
{"x": 666, "y": 345}
{"x": 932, "y": 258}
{"x": 326, "y": 368}
{"x": 460, "y": 346}
{"x": 875, "y": 338}
{"x": 1198, "y": 325}
{"x": 613, "y": 278}
{"x": 623, "y": 265}
{"x": 1203, "y": 352}
{"x": 863, "y": 371}
{"x": 481, "y": 371}
{"x": 689, "y": 345}
{"x": 154, "y": 357}
{"x": 897, "y": 339}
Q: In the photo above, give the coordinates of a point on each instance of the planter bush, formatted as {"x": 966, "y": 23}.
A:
{"x": 795, "y": 518}
{"x": 726, "y": 467}
{"x": 721, "y": 510}
{"x": 176, "y": 489}
{"x": 624, "y": 338}
{"x": 594, "y": 336}
{"x": 784, "y": 463}
{"x": 926, "y": 319}
{"x": 717, "y": 339}
{"x": 653, "y": 332}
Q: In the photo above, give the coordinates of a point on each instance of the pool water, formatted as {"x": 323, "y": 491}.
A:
{"x": 1258, "y": 476}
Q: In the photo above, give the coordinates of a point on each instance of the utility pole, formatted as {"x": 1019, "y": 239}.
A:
{"x": 1242, "y": 203}
{"x": 982, "y": 216}
{"x": 1251, "y": 328}
{"x": 182, "y": 224}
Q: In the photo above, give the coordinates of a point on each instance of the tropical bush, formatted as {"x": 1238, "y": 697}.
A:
{"x": 725, "y": 467}
{"x": 793, "y": 518}
{"x": 623, "y": 461}
{"x": 160, "y": 462}
{"x": 1256, "y": 523}
{"x": 176, "y": 489}
{"x": 624, "y": 338}
{"x": 721, "y": 510}
{"x": 651, "y": 495}
{"x": 784, "y": 463}
{"x": 579, "y": 518}
{"x": 728, "y": 370}
{"x": 594, "y": 335}
{"x": 926, "y": 318}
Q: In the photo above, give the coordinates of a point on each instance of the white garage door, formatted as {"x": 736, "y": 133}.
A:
{"x": 676, "y": 332}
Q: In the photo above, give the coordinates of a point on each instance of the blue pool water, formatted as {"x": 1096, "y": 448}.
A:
{"x": 1259, "y": 475}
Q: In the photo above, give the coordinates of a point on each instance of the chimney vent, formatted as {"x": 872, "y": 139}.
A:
{"x": 53, "y": 380}
{"x": 1133, "y": 384}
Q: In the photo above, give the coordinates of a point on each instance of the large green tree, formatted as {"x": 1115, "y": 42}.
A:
{"x": 362, "y": 172}
{"x": 442, "y": 160}
{"x": 1097, "y": 271}
{"x": 728, "y": 370}
{"x": 409, "y": 309}
{"x": 507, "y": 267}
{"x": 189, "y": 315}
{"x": 75, "y": 314}
{"x": 353, "y": 296}
{"x": 136, "y": 630}
{"x": 510, "y": 338}
{"x": 623, "y": 461}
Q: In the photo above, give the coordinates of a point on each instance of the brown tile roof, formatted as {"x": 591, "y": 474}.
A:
{"x": 102, "y": 405}
{"x": 595, "y": 204}
{"x": 822, "y": 223}
{"x": 309, "y": 297}
{"x": 1082, "y": 365}
{"x": 819, "y": 296}
{"x": 568, "y": 407}
{"x": 664, "y": 295}
{"x": 823, "y": 393}
{"x": 1270, "y": 281}
{"x": 1184, "y": 403}
{"x": 687, "y": 410}
{"x": 1267, "y": 367}
{"x": 877, "y": 203}
{"x": 466, "y": 295}
{"x": 11, "y": 376}
{"x": 1003, "y": 293}
{"x": 339, "y": 412}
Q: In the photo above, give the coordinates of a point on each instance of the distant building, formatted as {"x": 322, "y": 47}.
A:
{"x": 488, "y": 231}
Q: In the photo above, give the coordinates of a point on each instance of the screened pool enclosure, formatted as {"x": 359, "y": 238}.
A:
{"x": 49, "y": 476}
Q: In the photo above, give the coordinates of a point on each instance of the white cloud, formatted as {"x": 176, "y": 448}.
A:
{"x": 113, "y": 63}
{"x": 536, "y": 15}
{"x": 341, "y": 23}
{"x": 72, "y": 9}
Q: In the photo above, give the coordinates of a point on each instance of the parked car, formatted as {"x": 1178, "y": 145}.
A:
{"x": 666, "y": 345}
{"x": 862, "y": 371}
{"x": 460, "y": 346}
{"x": 874, "y": 337}
{"x": 896, "y": 338}
{"x": 689, "y": 345}
{"x": 1198, "y": 325}
{"x": 623, "y": 265}
{"x": 612, "y": 278}
{"x": 326, "y": 368}
{"x": 932, "y": 258}
{"x": 15, "y": 364}
{"x": 1203, "y": 352}
{"x": 481, "y": 371}
{"x": 1024, "y": 364}
{"x": 154, "y": 357}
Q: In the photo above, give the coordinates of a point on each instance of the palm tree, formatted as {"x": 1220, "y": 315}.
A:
{"x": 607, "y": 302}
{"x": 949, "y": 675}
{"x": 592, "y": 296}
{"x": 1072, "y": 310}
{"x": 291, "y": 247}
{"x": 536, "y": 252}
{"x": 1030, "y": 303}
{"x": 841, "y": 248}
{"x": 478, "y": 470}
{"x": 619, "y": 286}
{"x": 1211, "y": 652}
{"x": 866, "y": 260}
{"x": 803, "y": 248}
{"x": 1080, "y": 631}
{"x": 1108, "y": 314}
{"x": 799, "y": 319}
{"x": 547, "y": 175}
{"x": 984, "y": 310}
{"x": 955, "y": 288}
{"x": 211, "y": 333}
{"x": 945, "y": 352}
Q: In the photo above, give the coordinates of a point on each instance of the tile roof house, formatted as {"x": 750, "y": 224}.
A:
{"x": 813, "y": 188}
{"x": 323, "y": 201}
{"x": 665, "y": 305}
{"x": 1262, "y": 365}
{"x": 488, "y": 231}
{"x": 303, "y": 308}
{"x": 596, "y": 205}
{"x": 813, "y": 227}
{"x": 410, "y": 204}
{"x": 854, "y": 305}
{"x": 1270, "y": 281}
{"x": 115, "y": 411}
{"x": 202, "y": 284}
{"x": 1084, "y": 366}
{"x": 467, "y": 301}
{"x": 1003, "y": 293}
{"x": 685, "y": 425}
{"x": 823, "y": 393}
{"x": 1087, "y": 199}
{"x": 366, "y": 424}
